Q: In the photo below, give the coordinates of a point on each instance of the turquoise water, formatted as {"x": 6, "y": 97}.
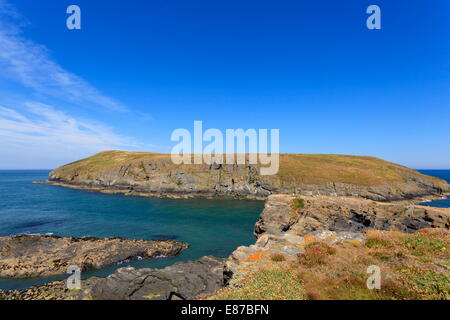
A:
{"x": 445, "y": 175}
{"x": 211, "y": 227}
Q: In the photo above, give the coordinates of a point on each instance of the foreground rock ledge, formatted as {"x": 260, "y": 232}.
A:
{"x": 284, "y": 228}
{"x": 182, "y": 280}
{"x": 37, "y": 255}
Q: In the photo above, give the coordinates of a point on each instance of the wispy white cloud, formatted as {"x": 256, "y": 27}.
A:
{"x": 31, "y": 65}
{"x": 43, "y": 131}
{"x": 37, "y": 135}
{"x": 45, "y": 125}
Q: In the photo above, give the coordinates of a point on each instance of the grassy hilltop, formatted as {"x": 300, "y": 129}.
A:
{"x": 341, "y": 174}
{"x": 307, "y": 168}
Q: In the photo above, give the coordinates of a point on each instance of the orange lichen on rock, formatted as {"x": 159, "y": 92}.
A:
{"x": 256, "y": 256}
{"x": 353, "y": 241}
{"x": 414, "y": 265}
{"x": 431, "y": 231}
{"x": 309, "y": 238}
{"x": 377, "y": 233}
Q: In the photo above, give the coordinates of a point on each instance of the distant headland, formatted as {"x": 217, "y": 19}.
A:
{"x": 152, "y": 174}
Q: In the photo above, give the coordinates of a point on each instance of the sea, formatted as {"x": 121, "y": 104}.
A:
{"x": 442, "y": 174}
{"x": 210, "y": 226}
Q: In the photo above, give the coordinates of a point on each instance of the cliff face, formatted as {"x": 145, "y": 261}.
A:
{"x": 287, "y": 225}
{"x": 281, "y": 217}
{"x": 155, "y": 174}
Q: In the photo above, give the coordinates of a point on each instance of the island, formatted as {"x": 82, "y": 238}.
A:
{"x": 151, "y": 174}
{"x": 328, "y": 221}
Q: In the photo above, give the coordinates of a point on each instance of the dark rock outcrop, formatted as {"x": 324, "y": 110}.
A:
{"x": 36, "y": 255}
{"x": 56, "y": 290}
{"x": 183, "y": 280}
{"x": 345, "y": 214}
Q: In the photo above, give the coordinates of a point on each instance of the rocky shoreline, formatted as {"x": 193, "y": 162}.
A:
{"x": 147, "y": 174}
{"x": 182, "y": 280}
{"x": 288, "y": 223}
{"x": 286, "y": 226}
{"x": 41, "y": 255}
{"x": 130, "y": 191}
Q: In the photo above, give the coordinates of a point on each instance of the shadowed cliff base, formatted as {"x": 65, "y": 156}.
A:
{"x": 151, "y": 174}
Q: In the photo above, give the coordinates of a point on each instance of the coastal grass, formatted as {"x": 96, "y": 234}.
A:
{"x": 339, "y": 271}
{"x": 277, "y": 257}
{"x": 298, "y": 203}
{"x": 316, "y": 253}
{"x": 108, "y": 159}
{"x": 358, "y": 170}
{"x": 318, "y": 169}
{"x": 268, "y": 284}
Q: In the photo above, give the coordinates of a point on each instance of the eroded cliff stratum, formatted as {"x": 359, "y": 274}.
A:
{"x": 151, "y": 174}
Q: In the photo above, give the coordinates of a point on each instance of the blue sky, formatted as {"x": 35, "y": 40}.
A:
{"x": 137, "y": 70}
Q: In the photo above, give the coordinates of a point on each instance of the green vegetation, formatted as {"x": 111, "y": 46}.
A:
{"x": 446, "y": 265}
{"x": 377, "y": 243}
{"x": 142, "y": 167}
{"x": 178, "y": 183}
{"x": 275, "y": 284}
{"x": 333, "y": 272}
{"x": 151, "y": 296}
{"x": 105, "y": 160}
{"x": 359, "y": 170}
{"x": 298, "y": 203}
{"x": 422, "y": 245}
{"x": 294, "y": 168}
{"x": 428, "y": 282}
{"x": 277, "y": 257}
{"x": 316, "y": 253}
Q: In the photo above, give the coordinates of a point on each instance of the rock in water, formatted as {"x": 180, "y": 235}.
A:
{"x": 183, "y": 280}
{"x": 37, "y": 255}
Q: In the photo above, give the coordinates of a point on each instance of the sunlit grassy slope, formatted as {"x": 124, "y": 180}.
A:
{"x": 413, "y": 267}
{"x": 297, "y": 168}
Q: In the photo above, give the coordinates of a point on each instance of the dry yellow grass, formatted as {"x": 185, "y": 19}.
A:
{"x": 270, "y": 283}
{"x": 294, "y": 168}
{"x": 413, "y": 266}
{"x": 323, "y": 168}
